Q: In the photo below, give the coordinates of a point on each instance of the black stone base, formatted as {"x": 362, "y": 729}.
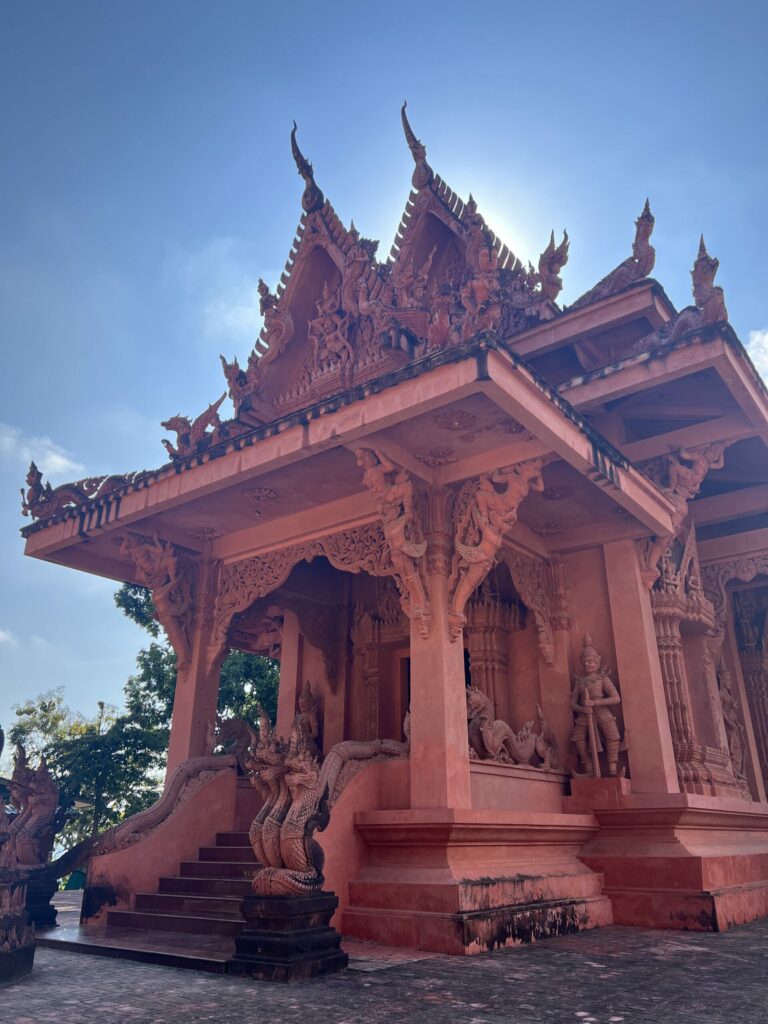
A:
{"x": 288, "y": 938}
{"x": 17, "y": 964}
{"x": 40, "y": 892}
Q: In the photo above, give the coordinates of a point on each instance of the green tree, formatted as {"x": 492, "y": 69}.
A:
{"x": 247, "y": 680}
{"x": 107, "y": 767}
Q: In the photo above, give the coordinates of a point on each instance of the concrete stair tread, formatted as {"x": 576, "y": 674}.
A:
{"x": 207, "y": 953}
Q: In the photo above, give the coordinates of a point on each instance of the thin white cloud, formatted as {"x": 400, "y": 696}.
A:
{"x": 224, "y": 287}
{"x": 7, "y": 637}
{"x": 757, "y": 346}
{"x": 51, "y": 459}
{"x": 39, "y": 641}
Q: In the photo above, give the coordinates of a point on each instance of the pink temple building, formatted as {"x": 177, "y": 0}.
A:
{"x": 513, "y": 559}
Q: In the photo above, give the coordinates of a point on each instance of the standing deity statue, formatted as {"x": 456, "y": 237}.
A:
{"x": 593, "y": 694}
{"x": 306, "y": 724}
{"x": 734, "y": 729}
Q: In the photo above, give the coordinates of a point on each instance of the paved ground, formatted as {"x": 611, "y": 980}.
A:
{"x": 609, "y": 975}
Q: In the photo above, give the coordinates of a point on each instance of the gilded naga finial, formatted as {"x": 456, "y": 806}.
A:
{"x": 422, "y": 173}
{"x": 313, "y": 198}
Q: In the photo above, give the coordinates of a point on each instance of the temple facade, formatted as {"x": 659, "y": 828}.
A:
{"x": 513, "y": 559}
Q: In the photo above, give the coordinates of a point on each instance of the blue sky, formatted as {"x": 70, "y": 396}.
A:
{"x": 146, "y": 183}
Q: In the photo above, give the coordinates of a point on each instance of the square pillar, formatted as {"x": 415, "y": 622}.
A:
{"x": 439, "y": 741}
{"x": 290, "y": 674}
{"x": 651, "y": 756}
{"x": 197, "y": 679}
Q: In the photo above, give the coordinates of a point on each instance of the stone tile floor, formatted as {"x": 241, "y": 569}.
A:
{"x": 606, "y": 976}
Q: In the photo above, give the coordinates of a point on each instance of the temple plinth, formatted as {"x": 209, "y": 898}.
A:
{"x": 512, "y": 556}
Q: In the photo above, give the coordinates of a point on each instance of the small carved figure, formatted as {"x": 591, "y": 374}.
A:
{"x": 192, "y": 435}
{"x": 328, "y": 332}
{"x": 237, "y": 381}
{"x": 592, "y": 695}
{"x": 306, "y": 724}
{"x": 733, "y": 724}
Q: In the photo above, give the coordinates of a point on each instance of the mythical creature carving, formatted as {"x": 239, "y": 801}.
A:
{"x": 634, "y": 268}
{"x": 485, "y": 508}
{"x": 299, "y": 794}
{"x": 393, "y": 493}
{"x": 680, "y": 475}
{"x": 35, "y": 796}
{"x": 490, "y": 738}
{"x": 551, "y": 262}
{"x": 192, "y": 436}
{"x": 709, "y": 306}
{"x": 41, "y": 500}
{"x": 593, "y": 694}
{"x": 169, "y": 574}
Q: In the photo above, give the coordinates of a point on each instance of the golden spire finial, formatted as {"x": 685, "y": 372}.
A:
{"x": 313, "y": 198}
{"x": 422, "y": 173}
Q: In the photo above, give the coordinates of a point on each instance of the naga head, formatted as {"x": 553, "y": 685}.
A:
{"x": 644, "y": 225}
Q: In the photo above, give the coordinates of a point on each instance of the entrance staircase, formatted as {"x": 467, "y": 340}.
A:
{"x": 191, "y": 921}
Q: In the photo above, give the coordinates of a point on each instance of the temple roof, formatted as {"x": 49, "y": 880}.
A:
{"x": 342, "y": 327}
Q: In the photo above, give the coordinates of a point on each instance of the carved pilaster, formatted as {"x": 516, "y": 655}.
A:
{"x": 529, "y": 578}
{"x": 489, "y": 623}
{"x": 557, "y": 593}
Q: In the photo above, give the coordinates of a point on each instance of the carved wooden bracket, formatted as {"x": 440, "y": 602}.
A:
{"x": 484, "y": 509}
{"x": 170, "y": 573}
{"x": 392, "y": 490}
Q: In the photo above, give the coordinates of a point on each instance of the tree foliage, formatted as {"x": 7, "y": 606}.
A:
{"x": 109, "y": 766}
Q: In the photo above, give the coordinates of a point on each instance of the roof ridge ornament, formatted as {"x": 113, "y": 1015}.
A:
{"x": 422, "y": 173}
{"x": 313, "y": 198}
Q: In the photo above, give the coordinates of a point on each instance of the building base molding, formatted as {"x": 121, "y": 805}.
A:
{"x": 682, "y": 861}
{"x": 464, "y": 882}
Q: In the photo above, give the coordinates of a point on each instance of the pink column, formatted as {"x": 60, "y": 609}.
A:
{"x": 439, "y": 743}
{"x": 651, "y": 757}
{"x": 290, "y": 674}
{"x": 197, "y": 680}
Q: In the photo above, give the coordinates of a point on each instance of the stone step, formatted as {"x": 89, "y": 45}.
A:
{"x": 206, "y": 886}
{"x": 217, "y": 869}
{"x": 222, "y": 924}
{"x": 208, "y": 953}
{"x": 232, "y": 839}
{"x": 190, "y": 904}
{"x": 242, "y": 854}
